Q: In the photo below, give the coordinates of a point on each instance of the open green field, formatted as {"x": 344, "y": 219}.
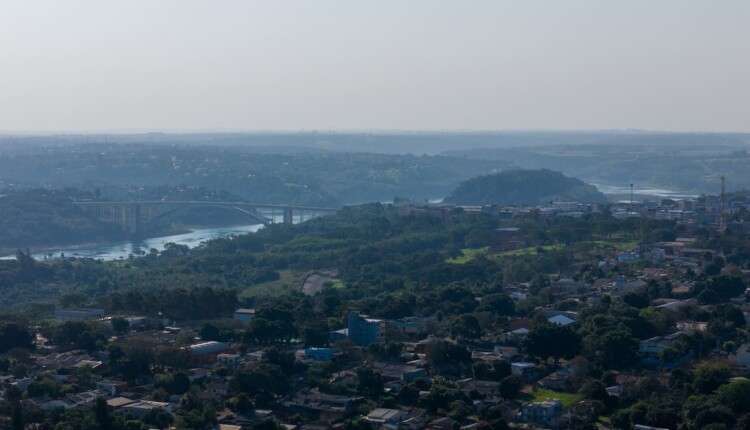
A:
{"x": 619, "y": 245}
{"x": 615, "y": 244}
{"x": 289, "y": 281}
{"x": 541, "y": 394}
{"x": 532, "y": 250}
{"x": 468, "y": 255}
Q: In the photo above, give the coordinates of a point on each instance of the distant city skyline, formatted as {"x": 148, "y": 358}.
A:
{"x": 423, "y": 65}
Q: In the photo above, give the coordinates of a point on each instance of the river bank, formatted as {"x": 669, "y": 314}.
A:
{"x": 123, "y": 249}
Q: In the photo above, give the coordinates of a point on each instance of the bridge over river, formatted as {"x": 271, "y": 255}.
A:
{"x": 136, "y": 216}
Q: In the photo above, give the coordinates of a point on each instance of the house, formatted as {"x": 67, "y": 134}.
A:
{"x": 508, "y": 353}
{"x": 443, "y": 423}
{"x": 382, "y": 416}
{"x": 118, "y": 403}
{"x": 244, "y": 315}
{"x": 514, "y": 336}
{"x": 623, "y": 286}
{"x": 541, "y": 413}
{"x": 139, "y": 408}
{"x": 219, "y": 388}
{"x": 196, "y": 374}
{"x": 206, "y": 352}
{"x": 483, "y": 388}
{"x": 23, "y": 383}
{"x": 322, "y": 406}
{"x": 112, "y": 388}
{"x": 559, "y": 380}
{"x": 525, "y": 371}
{"x": 650, "y": 351}
{"x": 228, "y": 427}
{"x": 65, "y": 360}
{"x": 399, "y": 372}
{"x": 229, "y": 360}
{"x": 410, "y": 325}
{"x": 71, "y": 401}
{"x": 615, "y": 391}
{"x": 137, "y": 322}
{"x": 561, "y": 320}
{"x": 566, "y": 287}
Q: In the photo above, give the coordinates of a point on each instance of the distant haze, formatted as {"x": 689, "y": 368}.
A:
{"x": 184, "y": 65}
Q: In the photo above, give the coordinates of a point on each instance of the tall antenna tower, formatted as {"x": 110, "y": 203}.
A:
{"x": 722, "y": 214}
{"x": 631, "y": 199}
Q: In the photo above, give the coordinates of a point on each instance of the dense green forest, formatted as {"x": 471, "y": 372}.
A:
{"x": 320, "y": 178}
{"x": 45, "y": 217}
{"x": 529, "y": 187}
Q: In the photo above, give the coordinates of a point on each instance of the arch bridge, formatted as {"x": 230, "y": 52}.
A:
{"x": 136, "y": 216}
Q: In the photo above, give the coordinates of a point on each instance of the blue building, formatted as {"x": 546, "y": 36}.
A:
{"x": 319, "y": 354}
{"x": 364, "y": 330}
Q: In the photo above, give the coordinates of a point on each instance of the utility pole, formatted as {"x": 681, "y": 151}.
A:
{"x": 722, "y": 215}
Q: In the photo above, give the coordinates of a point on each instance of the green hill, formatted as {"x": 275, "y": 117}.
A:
{"x": 530, "y": 187}
{"x": 48, "y": 217}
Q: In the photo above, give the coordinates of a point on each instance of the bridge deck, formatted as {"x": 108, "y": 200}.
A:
{"x": 204, "y": 203}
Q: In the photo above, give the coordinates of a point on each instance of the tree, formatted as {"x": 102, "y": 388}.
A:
{"x": 467, "y": 326}
{"x": 158, "y": 417}
{"x": 370, "y": 382}
{"x": 241, "y": 403}
{"x": 710, "y": 375}
{"x": 102, "y": 414}
{"x": 120, "y": 325}
{"x": 498, "y": 304}
{"x": 13, "y": 335}
{"x": 611, "y": 346}
{"x": 510, "y": 387}
{"x": 553, "y": 340}
{"x": 17, "y": 421}
{"x": 263, "y": 379}
{"x": 735, "y": 395}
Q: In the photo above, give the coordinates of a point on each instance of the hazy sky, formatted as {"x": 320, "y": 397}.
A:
{"x": 134, "y": 65}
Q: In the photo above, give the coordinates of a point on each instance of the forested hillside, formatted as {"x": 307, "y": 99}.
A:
{"x": 529, "y": 187}
{"x": 318, "y": 178}
{"x": 45, "y": 217}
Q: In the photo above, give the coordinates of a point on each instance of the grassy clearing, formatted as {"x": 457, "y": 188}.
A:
{"x": 468, "y": 255}
{"x": 532, "y": 250}
{"x": 288, "y": 281}
{"x": 338, "y": 284}
{"x": 540, "y": 394}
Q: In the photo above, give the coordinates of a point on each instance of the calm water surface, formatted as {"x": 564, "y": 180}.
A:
{"x": 114, "y": 251}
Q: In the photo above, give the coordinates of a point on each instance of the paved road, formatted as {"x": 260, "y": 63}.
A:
{"x": 313, "y": 283}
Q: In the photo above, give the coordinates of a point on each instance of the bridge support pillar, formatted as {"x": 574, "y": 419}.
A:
{"x": 288, "y": 216}
{"x": 135, "y": 220}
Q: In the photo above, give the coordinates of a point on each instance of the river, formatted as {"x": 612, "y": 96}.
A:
{"x": 118, "y": 250}
{"x": 644, "y": 191}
